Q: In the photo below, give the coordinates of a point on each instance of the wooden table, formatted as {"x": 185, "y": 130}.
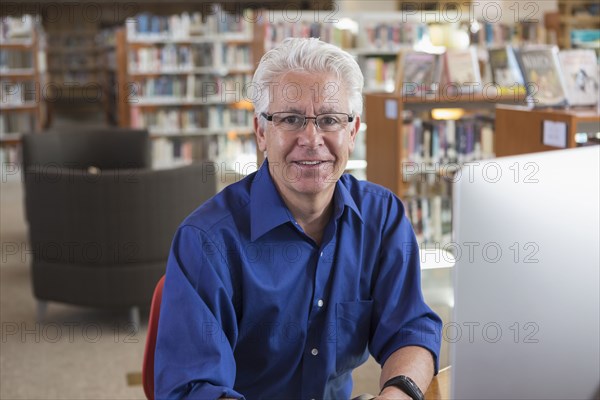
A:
{"x": 440, "y": 386}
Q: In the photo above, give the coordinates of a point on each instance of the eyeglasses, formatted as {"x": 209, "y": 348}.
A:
{"x": 292, "y": 122}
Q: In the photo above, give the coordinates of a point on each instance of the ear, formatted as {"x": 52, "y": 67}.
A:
{"x": 259, "y": 131}
{"x": 353, "y": 133}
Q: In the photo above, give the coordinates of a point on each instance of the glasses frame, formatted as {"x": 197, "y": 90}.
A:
{"x": 269, "y": 117}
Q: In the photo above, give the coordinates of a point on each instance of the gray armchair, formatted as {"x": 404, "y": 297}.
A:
{"x": 100, "y": 221}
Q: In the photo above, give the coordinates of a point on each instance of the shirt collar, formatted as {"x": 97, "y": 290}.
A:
{"x": 343, "y": 198}
{"x": 268, "y": 211}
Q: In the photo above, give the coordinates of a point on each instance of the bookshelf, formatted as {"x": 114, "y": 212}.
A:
{"x": 520, "y": 130}
{"x": 576, "y": 14}
{"x": 184, "y": 78}
{"x": 111, "y": 64}
{"x": 72, "y": 59}
{"x": 73, "y": 63}
{"x": 387, "y": 116}
{"x": 419, "y": 166}
{"x": 379, "y": 40}
{"x": 22, "y": 68}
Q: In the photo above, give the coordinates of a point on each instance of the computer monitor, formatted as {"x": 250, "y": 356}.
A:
{"x": 526, "y": 321}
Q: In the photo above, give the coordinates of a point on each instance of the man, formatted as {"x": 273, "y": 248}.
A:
{"x": 276, "y": 286}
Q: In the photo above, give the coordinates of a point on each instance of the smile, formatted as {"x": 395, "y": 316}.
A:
{"x": 309, "y": 162}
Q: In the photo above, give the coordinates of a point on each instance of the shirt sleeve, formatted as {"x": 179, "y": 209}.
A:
{"x": 197, "y": 328}
{"x": 401, "y": 317}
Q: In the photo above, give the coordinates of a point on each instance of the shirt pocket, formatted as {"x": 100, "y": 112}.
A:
{"x": 353, "y": 321}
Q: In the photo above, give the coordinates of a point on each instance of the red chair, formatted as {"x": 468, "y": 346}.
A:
{"x": 148, "y": 366}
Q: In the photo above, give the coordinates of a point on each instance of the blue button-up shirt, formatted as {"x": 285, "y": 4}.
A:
{"x": 253, "y": 307}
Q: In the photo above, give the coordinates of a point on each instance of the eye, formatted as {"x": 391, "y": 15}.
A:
{"x": 291, "y": 120}
{"x": 326, "y": 120}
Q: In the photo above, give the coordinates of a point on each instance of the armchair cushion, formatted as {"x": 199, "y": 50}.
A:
{"x": 104, "y": 239}
{"x": 100, "y": 221}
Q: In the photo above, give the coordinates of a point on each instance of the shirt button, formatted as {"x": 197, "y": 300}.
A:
{"x": 321, "y": 254}
{"x": 320, "y": 303}
{"x": 314, "y": 352}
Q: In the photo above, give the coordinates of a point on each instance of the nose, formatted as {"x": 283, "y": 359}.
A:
{"x": 309, "y": 135}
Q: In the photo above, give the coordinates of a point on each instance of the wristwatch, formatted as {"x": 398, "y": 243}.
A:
{"x": 407, "y": 385}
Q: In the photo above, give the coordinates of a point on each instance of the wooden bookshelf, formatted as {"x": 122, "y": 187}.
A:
{"x": 576, "y": 14}
{"x": 519, "y": 130}
{"x": 73, "y": 59}
{"x": 186, "y": 88}
{"x": 23, "y": 109}
{"x": 112, "y": 59}
{"x": 385, "y": 129}
{"x": 424, "y": 182}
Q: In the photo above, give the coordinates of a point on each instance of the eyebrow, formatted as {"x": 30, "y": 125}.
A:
{"x": 293, "y": 110}
{"x": 327, "y": 110}
{"x": 324, "y": 110}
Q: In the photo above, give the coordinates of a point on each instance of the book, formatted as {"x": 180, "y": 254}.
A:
{"x": 15, "y": 59}
{"x": 542, "y": 75}
{"x": 505, "y": 70}
{"x": 461, "y": 68}
{"x": 430, "y": 217}
{"x": 11, "y": 123}
{"x": 17, "y": 27}
{"x": 439, "y": 142}
{"x": 391, "y": 35}
{"x": 216, "y": 119}
{"x": 585, "y": 38}
{"x": 185, "y": 26}
{"x": 494, "y": 33}
{"x": 420, "y": 73}
{"x": 379, "y": 72}
{"x": 580, "y": 70}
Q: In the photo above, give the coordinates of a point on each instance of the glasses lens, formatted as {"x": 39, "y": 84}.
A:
{"x": 288, "y": 121}
{"x": 332, "y": 122}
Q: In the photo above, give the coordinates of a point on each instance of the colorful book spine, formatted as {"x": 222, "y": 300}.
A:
{"x": 204, "y": 120}
{"x": 215, "y": 21}
{"x": 442, "y": 142}
{"x": 431, "y": 218}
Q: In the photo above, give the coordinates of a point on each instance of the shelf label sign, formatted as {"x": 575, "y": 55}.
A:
{"x": 555, "y": 134}
{"x": 391, "y": 109}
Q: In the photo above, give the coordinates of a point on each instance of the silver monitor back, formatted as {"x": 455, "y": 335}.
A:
{"x": 527, "y": 284}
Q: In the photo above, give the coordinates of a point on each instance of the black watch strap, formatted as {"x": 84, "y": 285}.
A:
{"x": 407, "y": 385}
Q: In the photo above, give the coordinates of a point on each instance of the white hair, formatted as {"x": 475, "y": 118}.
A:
{"x": 308, "y": 55}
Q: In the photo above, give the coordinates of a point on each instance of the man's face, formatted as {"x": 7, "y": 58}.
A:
{"x": 306, "y": 161}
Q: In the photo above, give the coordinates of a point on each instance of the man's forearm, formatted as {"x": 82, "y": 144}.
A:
{"x": 412, "y": 361}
